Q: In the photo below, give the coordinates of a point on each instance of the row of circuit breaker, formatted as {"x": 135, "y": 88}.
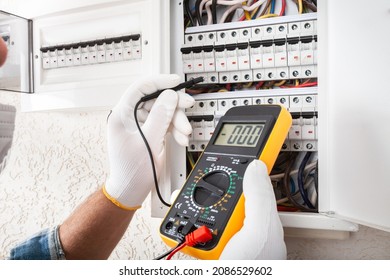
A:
{"x": 274, "y": 52}
{"x": 205, "y": 114}
{"x": 92, "y": 52}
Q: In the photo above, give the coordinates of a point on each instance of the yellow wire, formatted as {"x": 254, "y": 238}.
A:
{"x": 300, "y": 6}
{"x": 280, "y": 83}
{"x": 247, "y": 15}
{"x": 254, "y": 12}
{"x": 296, "y": 82}
{"x": 191, "y": 160}
{"x": 268, "y": 16}
{"x": 223, "y": 90}
{"x": 248, "y": 85}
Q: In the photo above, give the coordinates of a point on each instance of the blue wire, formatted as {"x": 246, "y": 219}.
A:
{"x": 302, "y": 190}
{"x": 292, "y": 185}
{"x": 272, "y": 11}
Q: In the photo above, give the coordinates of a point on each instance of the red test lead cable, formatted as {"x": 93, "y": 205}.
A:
{"x": 200, "y": 235}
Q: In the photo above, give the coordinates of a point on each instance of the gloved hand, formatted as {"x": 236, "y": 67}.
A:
{"x": 7, "y": 126}
{"x": 261, "y": 236}
{"x": 131, "y": 178}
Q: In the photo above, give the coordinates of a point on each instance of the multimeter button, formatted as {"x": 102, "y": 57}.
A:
{"x": 243, "y": 161}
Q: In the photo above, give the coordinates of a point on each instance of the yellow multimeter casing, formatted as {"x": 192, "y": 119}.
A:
{"x": 212, "y": 194}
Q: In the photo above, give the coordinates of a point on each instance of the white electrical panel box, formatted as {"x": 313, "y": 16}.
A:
{"x": 307, "y": 46}
{"x": 85, "y": 56}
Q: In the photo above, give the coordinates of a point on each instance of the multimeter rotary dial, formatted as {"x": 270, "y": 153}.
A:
{"x": 211, "y": 188}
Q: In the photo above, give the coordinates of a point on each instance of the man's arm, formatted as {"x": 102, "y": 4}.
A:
{"x": 97, "y": 225}
{"x": 94, "y": 229}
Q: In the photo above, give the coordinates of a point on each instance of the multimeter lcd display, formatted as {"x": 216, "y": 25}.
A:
{"x": 239, "y": 134}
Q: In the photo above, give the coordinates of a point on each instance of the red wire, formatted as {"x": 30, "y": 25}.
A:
{"x": 302, "y": 85}
{"x": 283, "y": 8}
{"x": 259, "y": 85}
{"x": 286, "y": 208}
{"x": 176, "y": 250}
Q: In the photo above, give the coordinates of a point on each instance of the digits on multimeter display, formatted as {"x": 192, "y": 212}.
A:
{"x": 239, "y": 134}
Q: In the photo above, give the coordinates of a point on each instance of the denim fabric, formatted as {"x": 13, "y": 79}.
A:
{"x": 44, "y": 245}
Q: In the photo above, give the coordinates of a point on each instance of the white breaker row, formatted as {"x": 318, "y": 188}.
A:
{"x": 205, "y": 114}
{"x": 258, "y": 53}
{"x": 92, "y": 52}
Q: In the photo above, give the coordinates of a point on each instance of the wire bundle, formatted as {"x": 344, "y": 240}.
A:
{"x": 251, "y": 9}
{"x": 295, "y": 196}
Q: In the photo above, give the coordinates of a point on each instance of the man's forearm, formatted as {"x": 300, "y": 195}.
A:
{"x": 94, "y": 229}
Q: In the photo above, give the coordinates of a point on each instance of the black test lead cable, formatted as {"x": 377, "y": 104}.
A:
{"x": 148, "y": 97}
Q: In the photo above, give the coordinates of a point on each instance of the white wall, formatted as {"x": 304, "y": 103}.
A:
{"x": 58, "y": 159}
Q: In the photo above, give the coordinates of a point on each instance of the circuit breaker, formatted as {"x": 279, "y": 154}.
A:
{"x": 252, "y": 51}
{"x": 84, "y": 56}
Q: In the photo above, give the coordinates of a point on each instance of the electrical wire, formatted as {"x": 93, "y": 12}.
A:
{"x": 300, "y": 6}
{"x": 268, "y": 16}
{"x": 280, "y": 83}
{"x": 188, "y": 12}
{"x": 281, "y": 175}
{"x": 283, "y": 9}
{"x": 176, "y": 250}
{"x": 150, "y": 155}
{"x": 199, "y": 235}
{"x": 313, "y": 84}
{"x": 301, "y": 188}
{"x": 266, "y": 7}
{"x": 191, "y": 160}
{"x": 272, "y": 11}
{"x": 286, "y": 186}
{"x": 198, "y": 12}
{"x": 168, "y": 252}
{"x": 214, "y": 11}
{"x": 229, "y": 11}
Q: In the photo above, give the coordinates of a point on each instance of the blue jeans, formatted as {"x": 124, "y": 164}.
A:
{"x": 44, "y": 245}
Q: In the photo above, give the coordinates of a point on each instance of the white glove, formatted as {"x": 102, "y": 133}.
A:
{"x": 261, "y": 236}
{"x": 131, "y": 178}
{"x": 7, "y": 126}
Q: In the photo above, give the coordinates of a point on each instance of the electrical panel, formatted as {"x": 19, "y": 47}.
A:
{"x": 236, "y": 59}
{"x": 273, "y": 60}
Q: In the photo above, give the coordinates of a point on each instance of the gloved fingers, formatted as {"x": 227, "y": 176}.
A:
{"x": 142, "y": 115}
{"x": 148, "y": 105}
{"x": 159, "y": 120}
{"x": 180, "y": 138}
{"x": 185, "y": 100}
{"x": 151, "y": 84}
{"x": 137, "y": 90}
{"x": 258, "y": 192}
{"x": 181, "y": 123}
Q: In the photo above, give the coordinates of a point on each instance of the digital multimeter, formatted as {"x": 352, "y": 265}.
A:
{"x": 212, "y": 194}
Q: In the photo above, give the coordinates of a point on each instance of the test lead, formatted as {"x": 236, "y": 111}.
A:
{"x": 151, "y": 96}
{"x": 181, "y": 86}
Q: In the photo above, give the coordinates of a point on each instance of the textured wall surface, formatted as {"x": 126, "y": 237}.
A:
{"x": 58, "y": 159}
